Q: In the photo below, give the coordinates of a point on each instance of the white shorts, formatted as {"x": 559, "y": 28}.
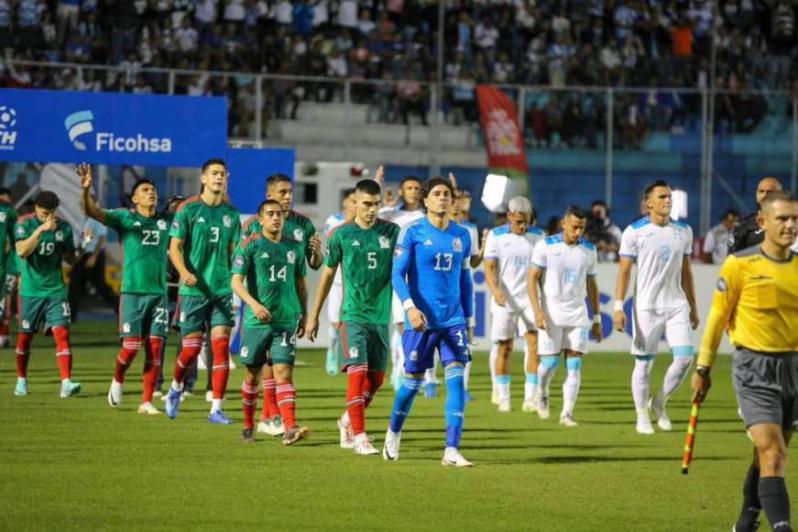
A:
{"x": 397, "y": 312}
{"x": 648, "y": 326}
{"x": 507, "y": 324}
{"x": 555, "y": 338}
{"x": 334, "y": 301}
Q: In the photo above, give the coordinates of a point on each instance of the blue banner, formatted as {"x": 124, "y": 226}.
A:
{"x": 111, "y": 128}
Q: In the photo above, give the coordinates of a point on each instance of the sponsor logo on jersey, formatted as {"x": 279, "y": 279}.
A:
{"x": 59, "y": 236}
{"x": 457, "y": 244}
{"x": 299, "y": 234}
{"x": 355, "y": 244}
{"x": 226, "y": 221}
{"x": 200, "y": 220}
{"x": 264, "y": 255}
{"x": 428, "y": 242}
{"x": 162, "y": 225}
{"x": 384, "y": 242}
{"x": 290, "y": 257}
{"x": 353, "y": 352}
{"x": 136, "y": 224}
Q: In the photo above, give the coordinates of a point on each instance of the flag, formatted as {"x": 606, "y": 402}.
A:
{"x": 504, "y": 139}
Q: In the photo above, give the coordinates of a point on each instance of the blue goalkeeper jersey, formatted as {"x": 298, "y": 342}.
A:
{"x": 431, "y": 268}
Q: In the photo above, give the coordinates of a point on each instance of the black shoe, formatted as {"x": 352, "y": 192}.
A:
{"x": 248, "y": 435}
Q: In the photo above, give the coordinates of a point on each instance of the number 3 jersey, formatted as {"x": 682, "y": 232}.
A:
{"x": 208, "y": 233}
{"x": 271, "y": 270}
{"x": 144, "y": 241}
{"x": 365, "y": 257}
{"x": 41, "y": 270}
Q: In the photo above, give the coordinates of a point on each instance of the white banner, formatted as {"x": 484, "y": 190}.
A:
{"x": 705, "y": 277}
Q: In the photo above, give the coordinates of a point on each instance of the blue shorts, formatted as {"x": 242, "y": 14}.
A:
{"x": 420, "y": 347}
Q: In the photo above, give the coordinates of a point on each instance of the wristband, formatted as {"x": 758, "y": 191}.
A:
{"x": 407, "y": 304}
{"x": 597, "y": 319}
{"x": 618, "y": 305}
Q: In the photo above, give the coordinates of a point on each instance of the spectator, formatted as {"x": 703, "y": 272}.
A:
{"x": 347, "y": 14}
{"x": 411, "y": 99}
{"x": 716, "y": 241}
{"x": 68, "y": 11}
{"x": 605, "y": 234}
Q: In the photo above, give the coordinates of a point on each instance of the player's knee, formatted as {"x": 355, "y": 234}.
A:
{"x": 772, "y": 458}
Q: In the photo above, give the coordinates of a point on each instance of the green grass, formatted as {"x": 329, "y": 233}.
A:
{"x": 78, "y": 464}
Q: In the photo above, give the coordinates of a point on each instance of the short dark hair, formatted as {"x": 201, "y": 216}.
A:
{"x": 654, "y": 184}
{"x": 730, "y": 212}
{"x": 576, "y": 212}
{"x": 369, "y": 186}
{"x": 599, "y": 203}
{"x": 140, "y": 182}
{"x": 775, "y": 195}
{"x": 407, "y": 178}
{"x": 47, "y": 200}
{"x": 277, "y": 178}
{"x": 433, "y": 182}
{"x": 210, "y": 162}
{"x": 5, "y": 191}
{"x": 345, "y": 193}
{"x": 269, "y": 202}
{"x": 176, "y": 198}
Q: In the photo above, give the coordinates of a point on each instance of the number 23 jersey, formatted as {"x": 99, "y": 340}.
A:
{"x": 144, "y": 241}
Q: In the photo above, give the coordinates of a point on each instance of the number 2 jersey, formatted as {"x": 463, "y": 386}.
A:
{"x": 208, "y": 234}
{"x": 41, "y": 271}
{"x": 145, "y": 242}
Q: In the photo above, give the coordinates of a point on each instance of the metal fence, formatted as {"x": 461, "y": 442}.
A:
{"x": 606, "y": 128}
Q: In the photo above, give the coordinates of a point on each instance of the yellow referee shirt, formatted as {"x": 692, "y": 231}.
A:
{"x": 757, "y": 296}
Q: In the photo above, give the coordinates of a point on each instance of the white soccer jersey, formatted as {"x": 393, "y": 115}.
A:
{"x": 565, "y": 284}
{"x": 658, "y": 252}
{"x": 473, "y": 230}
{"x": 401, "y": 217}
{"x": 513, "y": 254}
{"x": 334, "y": 221}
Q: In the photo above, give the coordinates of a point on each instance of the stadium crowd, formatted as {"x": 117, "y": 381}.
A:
{"x": 625, "y": 43}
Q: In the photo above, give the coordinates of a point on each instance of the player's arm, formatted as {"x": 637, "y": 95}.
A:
{"x": 621, "y": 287}
{"x": 492, "y": 278}
{"x": 333, "y": 259}
{"x": 403, "y": 255}
{"x": 92, "y": 260}
{"x": 476, "y": 260}
{"x": 313, "y": 248}
{"x": 179, "y": 262}
{"x": 533, "y": 289}
{"x": 466, "y": 291}
{"x": 593, "y": 296}
{"x": 26, "y": 245}
{"x": 237, "y": 284}
{"x": 302, "y": 293}
{"x": 71, "y": 254}
{"x": 87, "y": 202}
{"x": 688, "y": 285}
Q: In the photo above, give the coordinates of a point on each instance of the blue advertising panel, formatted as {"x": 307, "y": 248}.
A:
{"x": 249, "y": 168}
{"x": 111, "y": 128}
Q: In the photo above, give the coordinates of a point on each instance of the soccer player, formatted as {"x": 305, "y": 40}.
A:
{"x": 204, "y": 234}
{"x": 363, "y": 249}
{"x": 299, "y": 228}
{"x": 664, "y": 301}
{"x": 276, "y": 297}
{"x": 408, "y": 211}
{"x": 432, "y": 277}
{"x": 8, "y": 270}
{"x": 508, "y": 257}
{"x": 43, "y": 242}
{"x": 336, "y": 292}
{"x": 566, "y": 265}
{"x": 144, "y": 308}
{"x": 756, "y": 298}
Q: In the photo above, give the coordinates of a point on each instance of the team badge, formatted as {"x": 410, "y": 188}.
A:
{"x": 162, "y": 225}
{"x": 721, "y": 285}
{"x": 299, "y": 234}
{"x": 414, "y": 356}
{"x": 457, "y": 245}
{"x": 290, "y": 257}
{"x": 175, "y": 224}
{"x": 25, "y": 324}
{"x": 353, "y": 352}
{"x": 384, "y": 242}
{"x": 244, "y": 351}
{"x": 59, "y": 236}
{"x": 238, "y": 261}
{"x": 226, "y": 221}
{"x": 126, "y": 328}
{"x": 398, "y": 252}
{"x": 182, "y": 316}
{"x": 2, "y": 217}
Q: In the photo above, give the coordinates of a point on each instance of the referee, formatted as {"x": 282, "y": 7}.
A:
{"x": 748, "y": 232}
{"x": 756, "y": 297}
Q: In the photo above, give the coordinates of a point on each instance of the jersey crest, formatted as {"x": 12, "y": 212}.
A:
{"x": 299, "y": 234}
{"x": 59, "y": 236}
{"x": 457, "y": 245}
{"x": 226, "y": 221}
{"x": 162, "y": 225}
{"x": 384, "y": 242}
{"x": 290, "y": 257}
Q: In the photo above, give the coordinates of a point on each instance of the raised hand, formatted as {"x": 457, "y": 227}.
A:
{"x": 84, "y": 173}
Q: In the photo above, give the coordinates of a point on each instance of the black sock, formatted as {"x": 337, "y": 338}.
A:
{"x": 751, "y": 505}
{"x": 775, "y": 502}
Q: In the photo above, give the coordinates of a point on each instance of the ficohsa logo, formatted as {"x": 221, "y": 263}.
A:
{"x": 8, "y": 124}
{"x": 80, "y": 123}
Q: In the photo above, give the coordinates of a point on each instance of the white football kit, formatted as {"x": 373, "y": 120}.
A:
{"x": 402, "y": 218}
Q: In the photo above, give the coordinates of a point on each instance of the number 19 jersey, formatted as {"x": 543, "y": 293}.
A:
{"x": 42, "y": 275}
{"x": 144, "y": 242}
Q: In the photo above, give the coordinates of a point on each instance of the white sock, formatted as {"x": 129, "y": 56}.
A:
{"x": 430, "y": 376}
{"x": 529, "y": 391}
{"x": 466, "y": 375}
{"x": 570, "y": 390}
{"x": 494, "y": 354}
{"x": 641, "y": 376}
{"x": 503, "y": 388}
{"x": 674, "y": 378}
{"x": 332, "y": 333}
{"x": 345, "y": 418}
{"x": 216, "y": 405}
{"x": 397, "y": 355}
{"x": 177, "y": 385}
{"x": 546, "y": 370}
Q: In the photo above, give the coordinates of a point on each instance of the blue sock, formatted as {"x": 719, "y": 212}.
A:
{"x": 404, "y": 402}
{"x": 532, "y": 378}
{"x": 455, "y": 405}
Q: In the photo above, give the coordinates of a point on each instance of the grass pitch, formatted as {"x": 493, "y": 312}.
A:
{"x": 78, "y": 464}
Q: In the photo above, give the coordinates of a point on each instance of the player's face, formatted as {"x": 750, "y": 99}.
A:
{"x": 439, "y": 200}
{"x": 146, "y": 196}
{"x": 42, "y": 214}
{"x": 367, "y": 206}
{"x": 573, "y": 228}
{"x": 780, "y": 222}
{"x": 214, "y": 178}
{"x": 271, "y": 217}
{"x": 6, "y": 198}
{"x": 766, "y": 185}
{"x": 660, "y": 201}
{"x": 519, "y": 222}
{"x": 410, "y": 192}
{"x": 282, "y": 192}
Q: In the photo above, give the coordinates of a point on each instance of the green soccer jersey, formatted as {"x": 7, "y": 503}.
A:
{"x": 42, "y": 275}
{"x": 365, "y": 257}
{"x": 271, "y": 270}
{"x": 8, "y": 217}
{"x": 297, "y": 227}
{"x": 144, "y": 242}
{"x": 208, "y": 233}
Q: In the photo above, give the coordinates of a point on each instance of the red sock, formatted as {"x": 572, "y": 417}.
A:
{"x": 286, "y": 402}
{"x": 220, "y": 345}
{"x": 63, "y": 352}
{"x": 152, "y": 367}
{"x": 130, "y": 348}
{"x": 249, "y": 400}
{"x": 372, "y": 384}
{"x": 188, "y": 354}
{"x": 23, "y": 353}
{"x": 270, "y": 408}
{"x": 356, "y": 381}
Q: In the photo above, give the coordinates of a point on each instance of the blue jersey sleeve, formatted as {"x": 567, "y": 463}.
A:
{"x": 467, "y": 293}
{"x": 402, "y": 257}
